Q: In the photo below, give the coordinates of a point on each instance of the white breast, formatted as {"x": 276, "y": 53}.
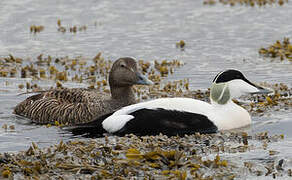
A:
{"x": 229, "y": 116}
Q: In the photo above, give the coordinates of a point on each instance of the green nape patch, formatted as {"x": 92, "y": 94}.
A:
{"x": 220, "y": 93}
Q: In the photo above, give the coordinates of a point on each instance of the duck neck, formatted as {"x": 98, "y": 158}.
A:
{"x": 228, "y": 102}
{"x": 220, "y": 97}
{"x": 123, "y": 94}
{"x": 220, "y": 94}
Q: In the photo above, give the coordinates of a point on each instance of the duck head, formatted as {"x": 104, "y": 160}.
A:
{"x": 124, "y": 72}
{"x": 231, "y": 84}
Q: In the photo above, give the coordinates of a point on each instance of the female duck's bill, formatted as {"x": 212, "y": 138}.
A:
{"x": 178, "y": 116}
{"x": 142, "y": 80}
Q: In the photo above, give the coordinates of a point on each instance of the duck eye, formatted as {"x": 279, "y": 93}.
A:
{"x": 123, "y": 65}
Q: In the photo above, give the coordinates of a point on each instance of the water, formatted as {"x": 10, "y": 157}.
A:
{"x": 217, "y": 37}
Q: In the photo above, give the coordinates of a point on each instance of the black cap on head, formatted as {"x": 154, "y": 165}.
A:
{"x": 229, "y": 75}
{"x": 232, "y": 74}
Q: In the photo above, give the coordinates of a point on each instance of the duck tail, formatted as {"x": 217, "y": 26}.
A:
{"x": 91, "y": 129}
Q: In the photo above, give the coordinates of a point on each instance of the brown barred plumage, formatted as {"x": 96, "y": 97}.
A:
{"x": 77, "y": 106}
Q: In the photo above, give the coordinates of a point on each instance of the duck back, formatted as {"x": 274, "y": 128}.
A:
{"x": 66, "y": 106}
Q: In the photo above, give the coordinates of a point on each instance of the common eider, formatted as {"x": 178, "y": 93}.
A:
{"x": 179, "y": 116}
{"x": 78, "y": 105}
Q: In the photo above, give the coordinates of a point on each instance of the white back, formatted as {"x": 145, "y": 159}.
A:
{"x": 118, "y": 119}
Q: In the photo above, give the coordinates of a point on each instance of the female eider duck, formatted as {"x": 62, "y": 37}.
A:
{"x": 79, "y": 105}
{"x": 179, "y": 116}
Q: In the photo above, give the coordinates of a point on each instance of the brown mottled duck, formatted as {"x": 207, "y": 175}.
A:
{"x": 77, "y": 106}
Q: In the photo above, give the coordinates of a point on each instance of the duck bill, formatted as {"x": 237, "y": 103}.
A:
{"x": 143, "y": 80}
{"x": 261, "y": 90}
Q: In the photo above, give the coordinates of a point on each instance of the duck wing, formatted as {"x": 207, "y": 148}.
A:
{"x": 67, "y": 106}
{"x": 167, "y": 122}
{"x": 149, "y": 122}
{"x": 170, "y": 116}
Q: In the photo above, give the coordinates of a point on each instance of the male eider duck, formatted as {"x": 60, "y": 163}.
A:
{"x": 179, "y": 116}
{"x": 78, "y": 105}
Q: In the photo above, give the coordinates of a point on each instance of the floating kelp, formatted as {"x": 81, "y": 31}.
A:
{"x": 151, "y": 157}
{"x": 251, "y": 3}
{"x": 36, "y": 29}
{"x": 278, "y": 50}
{"x": 94, "y": 72}
{"x": 281, "y": 99}
{"x": 72, "y": 29}
{"x": 181, "y": 44}
{"x": 8, "y": 128}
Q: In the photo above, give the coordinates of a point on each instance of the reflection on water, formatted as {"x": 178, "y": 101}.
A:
{"x": 217, "y": 37}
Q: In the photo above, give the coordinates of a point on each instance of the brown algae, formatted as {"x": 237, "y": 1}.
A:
{"x": 278, "y": 50}
{"x": 192, "y": 156}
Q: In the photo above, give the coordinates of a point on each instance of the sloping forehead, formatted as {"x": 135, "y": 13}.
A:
{"x": 228, "y": 75}
{"x": 130, "y": 62}
{"x": 214, "y": 80}
{"x": 126, "y": 61}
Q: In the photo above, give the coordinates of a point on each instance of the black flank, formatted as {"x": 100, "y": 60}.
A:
{"x": 167, "y": 122}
